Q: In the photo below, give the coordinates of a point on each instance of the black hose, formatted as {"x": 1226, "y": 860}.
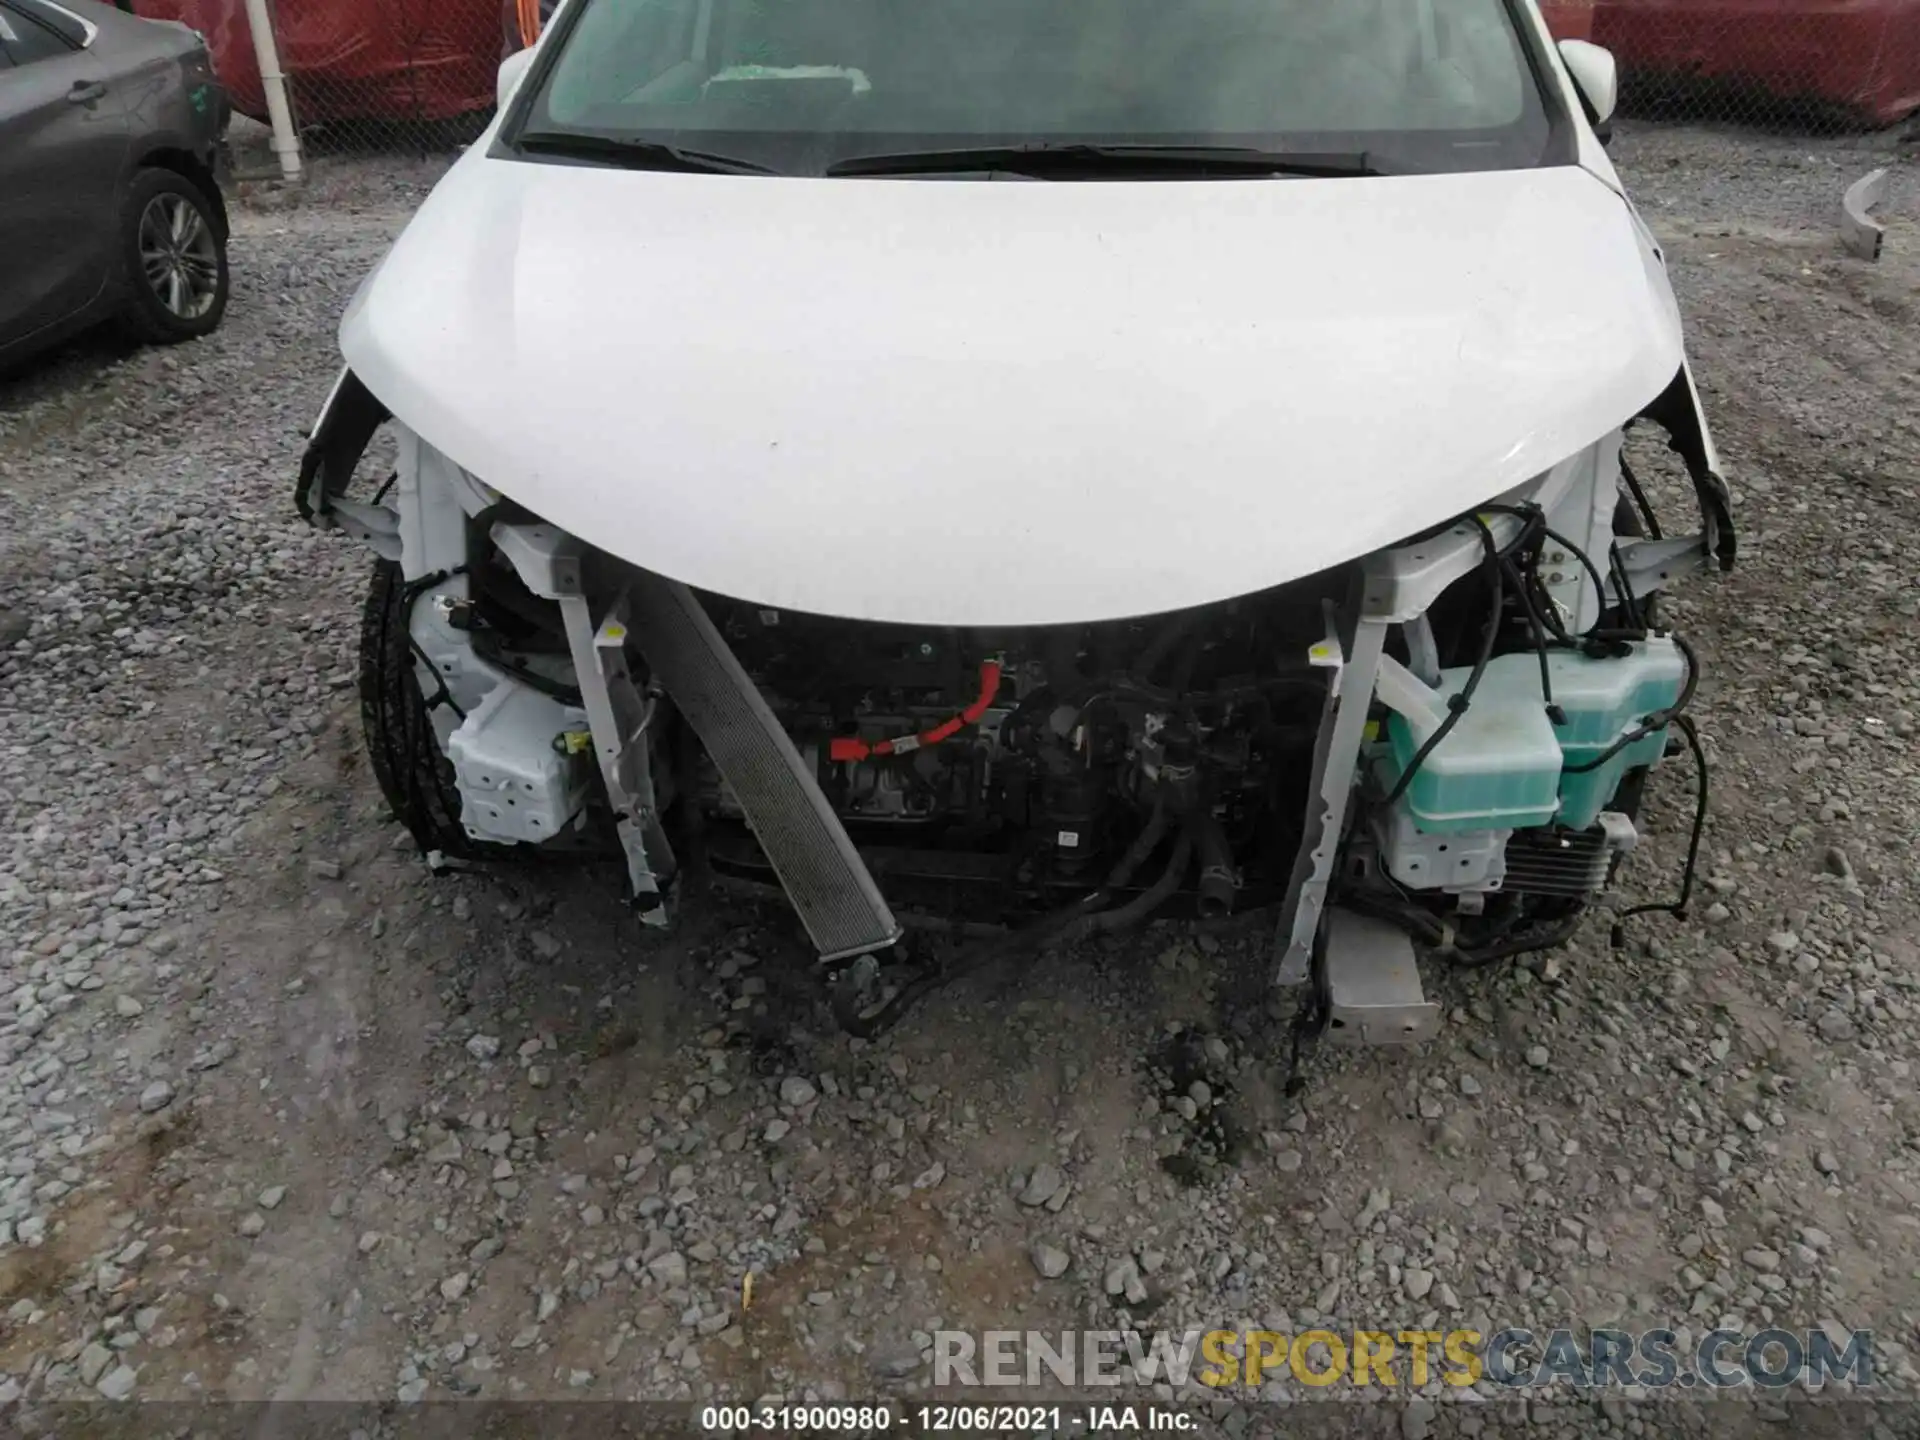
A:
{"x": 1538, "y": 630}
{"x": 1471, "y": 958}
{"x": 1106, "y": 922}
{"x": 1532, "y": 515}
{"x": 1085, "y": 916}
{"x": 1640, "y": 499}
{"x": 1678, "y": 908}
{"x": 1422, "y": 926}
{"x": 1629, "y": 602}
{"x": 1217, "y": 882}
{"x": 1143, "y": 846}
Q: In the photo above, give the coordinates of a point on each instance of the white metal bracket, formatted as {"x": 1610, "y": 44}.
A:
{"x": 622, "y": 719}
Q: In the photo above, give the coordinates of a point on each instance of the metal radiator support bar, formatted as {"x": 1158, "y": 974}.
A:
{"x": 830, "y": 886}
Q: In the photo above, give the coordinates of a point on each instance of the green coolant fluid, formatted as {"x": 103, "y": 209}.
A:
{"x": 1504, "y": 766}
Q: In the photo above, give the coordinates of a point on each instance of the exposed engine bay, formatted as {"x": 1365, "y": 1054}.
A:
{"x": 1442, "y": 745}
{"x": 1020, "y": 767}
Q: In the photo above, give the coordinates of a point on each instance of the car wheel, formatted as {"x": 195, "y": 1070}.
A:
{"x": 414, "y": 774}
{"x": 176, "y": 259}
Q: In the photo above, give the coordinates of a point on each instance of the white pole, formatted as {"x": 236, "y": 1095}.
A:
{"x": 266, "y": 49}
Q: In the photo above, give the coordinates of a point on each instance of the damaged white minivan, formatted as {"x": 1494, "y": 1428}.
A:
{"x": 1040, "y": 463}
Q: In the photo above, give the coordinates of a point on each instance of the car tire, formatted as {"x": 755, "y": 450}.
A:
{"x": 413, "y": 772}
{"x": 174, "y": 257}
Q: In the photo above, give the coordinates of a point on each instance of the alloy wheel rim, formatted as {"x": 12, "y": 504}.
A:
{"x": 178, "y": 256}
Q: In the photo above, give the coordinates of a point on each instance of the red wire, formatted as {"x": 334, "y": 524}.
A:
{"x": 852, "y": 747}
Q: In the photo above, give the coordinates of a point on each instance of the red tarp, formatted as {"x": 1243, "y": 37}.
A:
{"x": 1860, "y": 55}
{"x": 356, "y": 59}
{"x": 435, "y": 59}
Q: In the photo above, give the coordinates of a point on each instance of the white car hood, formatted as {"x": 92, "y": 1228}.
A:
{"x": 970, "y": 403}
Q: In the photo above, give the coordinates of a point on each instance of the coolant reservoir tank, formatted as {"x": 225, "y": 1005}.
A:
{"x": 1504, "y": 765}
{"x": 1497, "y": 769}
{"x": 1604, "y": 699}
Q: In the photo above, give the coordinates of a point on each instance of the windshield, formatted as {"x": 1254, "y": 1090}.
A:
{"x": 797, "y": 85}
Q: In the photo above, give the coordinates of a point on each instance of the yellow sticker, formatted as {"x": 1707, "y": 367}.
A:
{"x": 616, "y": 632}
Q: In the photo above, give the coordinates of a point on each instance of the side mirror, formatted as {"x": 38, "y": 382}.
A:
{"x": 1596, "y": 75}
{"x": 513, "y": 70}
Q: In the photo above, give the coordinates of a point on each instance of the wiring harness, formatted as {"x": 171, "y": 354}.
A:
{"x": 1516, "y": 592}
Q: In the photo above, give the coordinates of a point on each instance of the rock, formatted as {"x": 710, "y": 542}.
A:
{"x": 126, "y": 1007}
{"x": 797, "y": 1090}
{"x": 213, "y": 1057}
{"x": 156, "y": 1097}
{"x": 1417, "y": 1283}
{"x": 483, "y": 1047}
{"x": 669, "y": 1269}
{"x": 446, "y": 1152}
{"x": 93, "y": 1362}
{"x": 894, "y": 1359}
{"x": 1827, "y": 1163}
{"x": 1416, "y": 1421}
{"x": 270, "y": 1198}
{"x": 1379, "y": 1202}
{"x": 253, "y": 1224}
{"x": 1538, "y": 1056}
{"x": 544, "y": 945}
{"x": 777, "y": 1130}
{"x": 117, "y": 1383}
{"x": 1761, "y": 1259}
{"x": 1050, "y": 1260}
{"x": 455, "y": 1285}
{"x": 1835, "y": 1026}
{"x": 1041, "y": 1184}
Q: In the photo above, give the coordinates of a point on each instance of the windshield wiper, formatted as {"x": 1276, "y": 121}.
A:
{"x": 1054, "y": 158}
{"x": 633, "y": 154}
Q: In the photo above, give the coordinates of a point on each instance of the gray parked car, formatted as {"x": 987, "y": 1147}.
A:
{"x": 110, "y": 133}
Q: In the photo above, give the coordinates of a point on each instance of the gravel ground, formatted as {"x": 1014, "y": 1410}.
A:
{"x": 282, "y": 1117}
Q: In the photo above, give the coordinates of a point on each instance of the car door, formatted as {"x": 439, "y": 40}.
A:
{"x": 63, "y": 142}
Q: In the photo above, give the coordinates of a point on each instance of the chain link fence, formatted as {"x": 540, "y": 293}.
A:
{"x": 1800, "y": 66}
{"x": 417, "y": 76}
{"x": 381, "y": 76}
